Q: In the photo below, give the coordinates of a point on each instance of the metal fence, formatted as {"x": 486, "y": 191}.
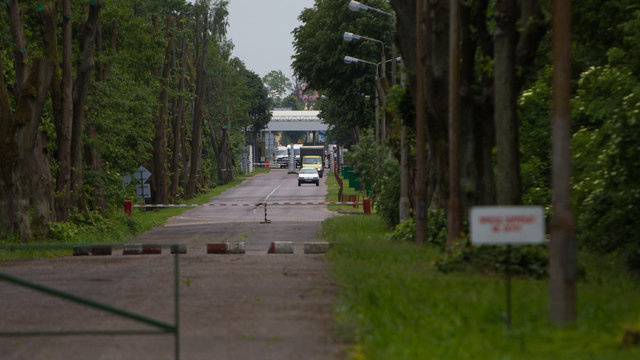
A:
{"x": 161, "y": 327}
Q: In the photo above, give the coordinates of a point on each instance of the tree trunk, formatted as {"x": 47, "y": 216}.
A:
{"x": 80, "y": 95}
{"x": 507, "y": 149}
{"x": 196, "y": 141}
{"x": 18, "y": 134}
{"x": 160, "y": 139}
{"x": 178, "y": 117}
{"x": 42, "y": 187}
{"x": 20, "y": 53}
{"x": 42, "y": 183}
{"x": 63, "y": 179}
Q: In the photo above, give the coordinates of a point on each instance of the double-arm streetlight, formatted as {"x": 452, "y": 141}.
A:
{"x": 404, "y": 187}
{"x": 356, "y": 6}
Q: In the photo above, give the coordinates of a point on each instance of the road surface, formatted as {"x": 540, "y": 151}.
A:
{"x": 251, "y": 306}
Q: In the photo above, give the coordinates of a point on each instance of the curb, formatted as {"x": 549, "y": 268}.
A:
{"x": 281, "y": 247}
{"x": 317, "y": 247}
{"x": 226, "y": 248}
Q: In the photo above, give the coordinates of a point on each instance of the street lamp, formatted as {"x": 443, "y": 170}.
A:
{"x": 351, "y": 36}
{"x": 356, "y": 6}
{"x": 404, "y": 202}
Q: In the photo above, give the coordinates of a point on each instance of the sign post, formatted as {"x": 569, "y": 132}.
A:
{"x": 507, "y": 225}
{"x": 143, "y": 190}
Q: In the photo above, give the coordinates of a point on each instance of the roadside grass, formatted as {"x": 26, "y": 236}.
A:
{"x": 332, "y": 193}
{"x": 115, "y": 228}
{"x": 394, "y": 304}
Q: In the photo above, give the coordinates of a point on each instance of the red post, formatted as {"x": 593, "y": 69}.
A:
{"x": 366, "y": 204}
{"x": 127, "y": 207}
{"x": 267, "y": 164}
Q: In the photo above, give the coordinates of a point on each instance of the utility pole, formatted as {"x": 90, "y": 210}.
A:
{"x": 455, "y": 203}
{"x": 562, "y": 248}
{"x": 421, "y": 154}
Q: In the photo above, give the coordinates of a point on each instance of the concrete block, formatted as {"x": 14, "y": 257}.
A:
{"x": 281, "y": 247}
{"x": 100, "y": 250}
{"x": 131, "y": 249}
{"x": 235, "y": 248}
{"x": 151, "y": 249}
{"x": 317, "y": 247}
{"x": 82, "y": 250}
{"x": 218, "y": 248}
{"x": 182, "y": 249}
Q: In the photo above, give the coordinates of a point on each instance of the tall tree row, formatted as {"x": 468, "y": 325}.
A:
{"x": 136, "y": 95}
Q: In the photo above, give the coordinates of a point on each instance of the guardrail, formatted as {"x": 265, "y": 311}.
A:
{"x": 162, "y": 327}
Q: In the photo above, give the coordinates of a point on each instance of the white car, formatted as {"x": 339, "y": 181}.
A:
{"x": 308, "y": 175}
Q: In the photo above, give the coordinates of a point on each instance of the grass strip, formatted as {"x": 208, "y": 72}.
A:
{"x": 393, "y": 304}
{"x": 93, "y": 228}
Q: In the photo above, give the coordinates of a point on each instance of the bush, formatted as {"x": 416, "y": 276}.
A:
{"x": 526, "y": 260}
{"x": 436, "y": 229}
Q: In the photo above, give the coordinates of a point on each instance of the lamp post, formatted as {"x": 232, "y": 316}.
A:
{"x": 404, "y": 174}
{"x": 352, "y": 60}
{"x": 356, "y": 6}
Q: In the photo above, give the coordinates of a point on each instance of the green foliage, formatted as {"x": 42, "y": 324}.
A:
{"x": 529, "y": 261}
{"x": 606, "y": 156}
{"x": 436, "y": 229}
{"x": 292, "y": 102}
{"x": 319, "y": 60}
{"x": 394, "y": 304}
{"x": 534, "y": 113}
{"x": 278, "y": 83}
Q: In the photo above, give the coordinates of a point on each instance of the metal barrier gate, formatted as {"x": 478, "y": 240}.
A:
{"x": 162, "y": 327}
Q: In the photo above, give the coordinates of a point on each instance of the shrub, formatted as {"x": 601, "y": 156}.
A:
{"x": 436, "y": 229}
{"x": 526, "y": 260}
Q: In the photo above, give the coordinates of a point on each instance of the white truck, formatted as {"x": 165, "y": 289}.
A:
{"x": 282, "y": 156}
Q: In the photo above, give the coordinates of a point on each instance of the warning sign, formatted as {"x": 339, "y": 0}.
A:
{"x": 507, "y": 225}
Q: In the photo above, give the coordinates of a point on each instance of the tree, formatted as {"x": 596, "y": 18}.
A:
{"x": 277, "y": 83}
{"x": 319, "y": 62}
{"x": 292, "y": 102}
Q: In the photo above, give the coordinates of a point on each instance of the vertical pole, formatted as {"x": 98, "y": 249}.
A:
{"x": 508, "y": 287}
{"x": 176, "y": 301}
{"x": 562, "y": 256}
{"x": 455, "y": 203}
{"x": 421, "y": 156}
{"x": 377, "y": 114}
{"x": 383, "y": 105}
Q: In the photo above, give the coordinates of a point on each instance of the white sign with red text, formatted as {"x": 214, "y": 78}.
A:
{"x": 504, "y": 225}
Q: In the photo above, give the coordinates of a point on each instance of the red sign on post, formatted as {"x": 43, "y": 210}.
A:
{"x": 507, "y": 225}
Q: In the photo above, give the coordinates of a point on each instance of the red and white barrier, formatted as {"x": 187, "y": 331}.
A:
{"x": 256, "y": 205}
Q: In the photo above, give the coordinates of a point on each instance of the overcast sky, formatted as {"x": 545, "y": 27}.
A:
{"x": 261, "y": 32}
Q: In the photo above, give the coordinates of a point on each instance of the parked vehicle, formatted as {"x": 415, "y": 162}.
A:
{"x": 308, "y": 175}
{"x": 282, "y": 156}
{"x": 313, "y": 157}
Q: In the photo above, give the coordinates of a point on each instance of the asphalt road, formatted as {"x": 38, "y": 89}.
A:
{"x": 251, "y": 306}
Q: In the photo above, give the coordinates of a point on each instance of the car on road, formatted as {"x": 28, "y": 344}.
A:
{"x": 308, "y": 175}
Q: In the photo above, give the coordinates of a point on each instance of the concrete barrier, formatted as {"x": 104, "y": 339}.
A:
{"x": 226, "y": 248}
{"x": 281, "y": 247}
{"x": 317, "y": 247}
{"x": 95, "y": 250}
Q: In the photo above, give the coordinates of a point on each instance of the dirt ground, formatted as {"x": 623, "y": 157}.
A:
{"x": 251, "y": 306}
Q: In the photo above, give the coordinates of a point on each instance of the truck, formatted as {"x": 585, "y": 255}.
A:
{"x": 282, "y": 156}
{"x": 313, "y": 157}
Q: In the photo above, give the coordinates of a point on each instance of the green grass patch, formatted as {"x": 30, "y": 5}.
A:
{"x": 93, "y": 228}
{"x": 394, "y": 304}
{"x": 332, "y": 193}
